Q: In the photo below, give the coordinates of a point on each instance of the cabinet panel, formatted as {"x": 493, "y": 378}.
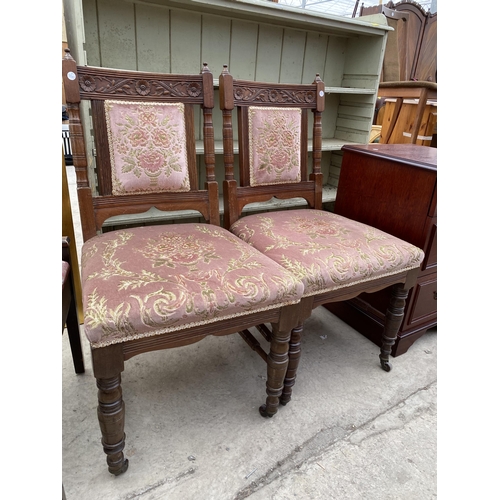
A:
{"x": 430, "y": 260}
{"x": 433, "y": 204}
{"x": 384, "y": 192}
{"x": 424, "y": 304}
{"x": 393, "y": 187}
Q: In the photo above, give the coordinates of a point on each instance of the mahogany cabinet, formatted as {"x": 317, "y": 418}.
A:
{"x": 393, "y": 187}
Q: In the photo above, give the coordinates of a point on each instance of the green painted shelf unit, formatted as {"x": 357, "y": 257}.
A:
{"x": 259, "y": 41}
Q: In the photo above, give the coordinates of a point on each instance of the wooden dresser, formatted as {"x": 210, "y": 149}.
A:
{"x": 393, "y": 187}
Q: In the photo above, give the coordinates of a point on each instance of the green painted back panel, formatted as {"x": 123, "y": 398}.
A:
{"x": 269, "y": 53}
{"x": 243, "y": 57}
{"x": 292, "y": 58}
{"x": 159, "y": 38}
{"x": 335, "y": 60}
{"x": 91, "y": 27}
{"x": 215, "y": 42}
{"x": 185, "y": 42}
{"x": 117, "y": 34}
{"x": 314, "y": 57}
{"x": 153, "y": 39}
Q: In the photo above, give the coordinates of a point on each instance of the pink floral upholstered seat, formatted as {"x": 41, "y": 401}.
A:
{"x": 326, "y": 251}
{"x": 152, "y": 280}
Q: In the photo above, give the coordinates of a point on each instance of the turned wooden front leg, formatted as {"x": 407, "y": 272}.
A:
{"x": 108, "y": 364}
{"x": 393, "y": 319}
{"x": 277, "y": 363}
{"x": 293, "y": 363}
{"x": 111, "y": 415}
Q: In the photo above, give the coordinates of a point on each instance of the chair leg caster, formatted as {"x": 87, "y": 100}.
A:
{"x": 264, "y": 413}
{"x": 386, "y": 365}
{"x": 284, "y": 401}
{"x": 120, "y": 470}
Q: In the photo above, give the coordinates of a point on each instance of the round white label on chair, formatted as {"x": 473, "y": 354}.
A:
{"x": 321, "y": 93}
{"x": 71, "y": 75}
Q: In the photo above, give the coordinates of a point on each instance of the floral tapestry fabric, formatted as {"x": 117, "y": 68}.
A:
{"x": 326, "y": 251}
{"x": 151, "y": 280}
{"x": 147, "y": 143}
{"x": 274, "y": 144}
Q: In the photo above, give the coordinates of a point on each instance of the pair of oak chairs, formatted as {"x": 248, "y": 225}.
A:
{"x": 169, "y": 285}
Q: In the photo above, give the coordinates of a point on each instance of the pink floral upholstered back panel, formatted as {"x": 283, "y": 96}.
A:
{"x": 147, "y": 143}
{"x": 274, "y": 145}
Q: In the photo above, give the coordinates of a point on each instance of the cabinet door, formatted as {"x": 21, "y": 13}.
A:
{"x": 430, "y": 249}
{"x": 423, "y": 307}
{"x": 388, "y": 193}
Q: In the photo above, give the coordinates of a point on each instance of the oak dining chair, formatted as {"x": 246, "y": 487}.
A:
{"x": 164, "y": 285}
{"x": 334, "y": 257}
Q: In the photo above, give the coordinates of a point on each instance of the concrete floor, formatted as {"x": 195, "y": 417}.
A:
{"x": 351, "y": 431}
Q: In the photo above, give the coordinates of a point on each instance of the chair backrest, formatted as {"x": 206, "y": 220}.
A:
{"x": 145, "y": 142}
{"x": 273, "y": 131}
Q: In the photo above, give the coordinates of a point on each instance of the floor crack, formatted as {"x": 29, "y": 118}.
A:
{"x": 147, "y": 489}
{"x": 306, "y": 451}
